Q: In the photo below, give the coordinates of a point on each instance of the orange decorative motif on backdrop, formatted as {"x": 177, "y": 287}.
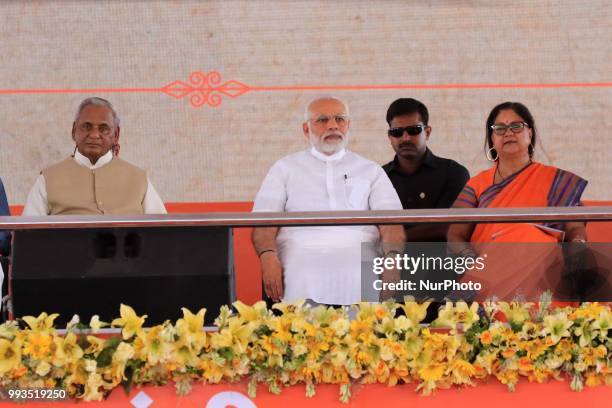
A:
{"x": 205, "y": 89}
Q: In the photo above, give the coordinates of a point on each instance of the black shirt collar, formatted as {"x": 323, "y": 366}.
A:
{"x": 429, "y": 160}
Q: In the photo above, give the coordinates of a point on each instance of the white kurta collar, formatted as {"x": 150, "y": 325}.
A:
{"x": 84, "y": 161}
{"x": 325, "y": 157}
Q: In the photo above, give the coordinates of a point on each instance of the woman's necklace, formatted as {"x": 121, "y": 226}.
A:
{"x": 499, "y": 174}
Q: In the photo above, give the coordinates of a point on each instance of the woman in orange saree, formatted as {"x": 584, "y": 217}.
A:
{"x": 521, "y": 260}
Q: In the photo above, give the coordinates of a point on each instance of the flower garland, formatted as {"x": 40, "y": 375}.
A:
{"x": 315, "y": 345}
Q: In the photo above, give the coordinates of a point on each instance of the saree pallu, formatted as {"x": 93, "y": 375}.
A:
{"x": 522, "y": 260}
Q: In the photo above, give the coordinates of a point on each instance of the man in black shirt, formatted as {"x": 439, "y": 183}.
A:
{"x": 421, "y": 179}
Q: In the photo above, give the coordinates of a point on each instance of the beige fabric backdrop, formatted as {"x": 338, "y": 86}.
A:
{"x": 222, "y": 153}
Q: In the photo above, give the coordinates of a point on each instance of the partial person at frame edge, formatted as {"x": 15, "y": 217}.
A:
{"x": 5, "y": 241}
{"x": 5, "y": 236}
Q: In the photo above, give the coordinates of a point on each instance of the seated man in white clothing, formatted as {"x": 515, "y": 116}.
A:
{"x": 322, "y": 264}
{"x": 93, "y": 180}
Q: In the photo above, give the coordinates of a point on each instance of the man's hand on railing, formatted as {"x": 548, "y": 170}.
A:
{"x": 390, "y": 276}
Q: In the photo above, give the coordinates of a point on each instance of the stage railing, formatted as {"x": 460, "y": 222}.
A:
{"x": 280, "y": 219}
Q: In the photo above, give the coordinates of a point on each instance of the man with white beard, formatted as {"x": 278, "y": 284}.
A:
{"x": 322, "y": 264}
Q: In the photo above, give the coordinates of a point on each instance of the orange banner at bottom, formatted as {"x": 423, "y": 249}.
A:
{"x": 555, "y": 394}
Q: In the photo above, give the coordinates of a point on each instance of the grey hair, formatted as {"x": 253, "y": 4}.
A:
{"x": 97, "y": 101}
{"x": 323, "y": 98}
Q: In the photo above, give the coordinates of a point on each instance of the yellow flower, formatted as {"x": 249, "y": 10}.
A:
{"x": 525, "y": 364}
{"x": 586, "y": 333}
{"x": 508, "y": 377}
{"x": 124, "y": 352}
{"x": 90, "y": 365}
{"x": 381, "y": 312}
{"x": 184, "y": 355}
{"x": 403, "y": 323}
{"x": 603, "y": 323}
{"x": 66, "y": 350}
{"x": 516, "y": 312}
{"x": 536, "y": 348}
{"x": 129, "y": 321}
{"x": 299, "y": 324}
{"x": 37, "y": 344}
{"x": 211, "y": 372}
{"x": 96, "y": 324}
{"x": 485, "y": 361}
{"x": 10, "y": 355}
{"x": 9, "y": 330}
{"x": 253, "y": 313}
{"x": 92, "y": 388}
{"x": 564, "y": 349}
{"x": 191, "y": 329}
{"x": 592, "y": 379}
{"x": 467, "y": 315}
{"x": 539, "y": 375}
{"x": 193, "y": 323}
{"x": 361, "y": 329}
{"x": 317, "y": 348}
{"x": 432, "y": 372}
{"x": 462, "y": 371}
{"x": 451, "y": 316}
{"x": 553, "y": 362}
{"x": 43, "y": 322}
{"x": 340, "y": 327}
{"x": 413, "y": 345}
{"x": 414, "y": 311}
{"x": 587, "y": 311}
{"x": 155, "y": 348}
{"x": 338, "y": 357}
{"x": 236, "y": 335}
{"x": 557, "y": 326}
{"x": 96, "y": 345}
{"x": 300, "y": 348}
{"x": 43, "y": 368}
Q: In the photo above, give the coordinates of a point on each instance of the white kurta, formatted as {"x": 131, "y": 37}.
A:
{"x": 37, "y": 202}
{"x": 324, "y": 263}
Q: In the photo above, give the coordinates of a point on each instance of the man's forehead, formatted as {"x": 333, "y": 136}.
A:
{"x": 406, "y": 119}
{"x": 327, "y": 107}
{"x": 96, "y": 114}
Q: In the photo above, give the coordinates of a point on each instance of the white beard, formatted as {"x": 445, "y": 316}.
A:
{"x": 328, "y": 147}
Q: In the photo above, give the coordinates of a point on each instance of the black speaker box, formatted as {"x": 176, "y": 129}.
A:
{"x": 155, "y": 270}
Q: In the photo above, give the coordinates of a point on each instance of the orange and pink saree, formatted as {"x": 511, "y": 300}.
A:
{"x": 522, "y": 260}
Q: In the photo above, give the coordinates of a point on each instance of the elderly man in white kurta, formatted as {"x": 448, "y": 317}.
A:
{"x": 93, "y": 181}
{"x": 322, "y": 264}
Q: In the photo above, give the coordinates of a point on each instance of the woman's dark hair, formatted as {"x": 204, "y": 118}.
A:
{"x": 520, "y": 110}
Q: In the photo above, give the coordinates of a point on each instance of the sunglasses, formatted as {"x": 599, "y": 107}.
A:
{"x": 412, "y": 130}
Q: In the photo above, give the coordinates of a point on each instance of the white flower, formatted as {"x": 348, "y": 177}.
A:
{"x": 43, "y": 368}
{"x": 90, "y": 365}
{"x": 73, "y": 322}
{"x": 340, "y": 327}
